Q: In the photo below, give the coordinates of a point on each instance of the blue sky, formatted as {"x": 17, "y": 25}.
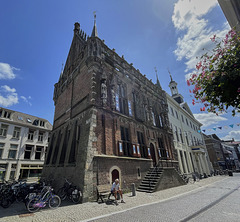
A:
{"x": 168, "y": 34}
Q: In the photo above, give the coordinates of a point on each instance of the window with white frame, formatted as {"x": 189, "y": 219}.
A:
{"x": 40, "y": 136}
{"x": 42, "y": 123}
{"x": 28, "y": 152}
{"x": 12, "y": 151}
{"x": 16, "y": 132}
{"x": 6, "y": 114}
{"x": 3, "y": 130}
{"x": 39, "y": 152}
{"x": 176, "y": 114}
{"x": 30, "y": 134}
{"x": 176, "y": 133}
{"x": 1, "y": 149}
{"x": 182, "y": 119}
{"x": 180, "y": 133}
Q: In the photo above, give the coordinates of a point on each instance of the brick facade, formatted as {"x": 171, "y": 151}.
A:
{"x": 110, "y": 120}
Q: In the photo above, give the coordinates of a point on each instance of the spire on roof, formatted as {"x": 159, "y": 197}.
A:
{"x": 170, "y": 75}
{"x": 158, "y": 83}
{"x": 94, "y": 31}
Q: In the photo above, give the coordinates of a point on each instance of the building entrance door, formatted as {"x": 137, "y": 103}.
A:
{"x": 115, "y": 175}
{"x": 152, "y": 150}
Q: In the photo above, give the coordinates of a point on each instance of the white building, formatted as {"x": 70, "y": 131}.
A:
{"x": 23, "y": 144}
{"x": 188, "y": 139}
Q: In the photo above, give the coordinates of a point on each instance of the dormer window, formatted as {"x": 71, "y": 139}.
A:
{"x": 6, "y": 114}
{"x": 35, "y": 122}
{"x": 42, "y": 123}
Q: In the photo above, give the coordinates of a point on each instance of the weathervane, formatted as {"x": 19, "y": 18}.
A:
{"x": 156, "y": 71}
{"x": 95, "y": 16}
{"x": 170, "y": 74}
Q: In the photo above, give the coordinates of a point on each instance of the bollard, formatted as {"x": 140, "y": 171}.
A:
{"x": 133, "y": 189}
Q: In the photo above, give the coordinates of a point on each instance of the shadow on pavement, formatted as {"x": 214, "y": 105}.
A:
{"x": 21, "y": 210}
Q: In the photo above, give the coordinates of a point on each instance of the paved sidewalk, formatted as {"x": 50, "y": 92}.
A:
{"x": 86, "y": 211}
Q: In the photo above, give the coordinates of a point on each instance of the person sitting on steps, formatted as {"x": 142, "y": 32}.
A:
{"x": 115, "y": 190}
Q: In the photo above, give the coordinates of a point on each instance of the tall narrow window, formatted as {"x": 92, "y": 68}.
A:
{"x": 12, "y": 151}
{"x": 1, "y": 149}
{"x": 16, "y": 132}
{"x": 40, "y": 136}
{"x": 160, "y": 121}
{"x": 180, "y": 133}
{"x": 186, "y": 136}
{"x": 176, "y": 133}
{"x": 143, "y": 149}
{"x": 117, "y": 102}
{"x": 30, "y": 134}
{"x": 130, "y": 108}
{"x": 39, "y": 152}
{"x": 153, "y": 118}
{"x": 123, "y": 102}
{"x": 28, "y": 152}
{"x": 125, "y": 137}
{"x": 162, "y": 149}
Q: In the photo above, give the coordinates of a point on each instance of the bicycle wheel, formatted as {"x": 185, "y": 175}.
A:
{"x": 5, "y": 203}
{"x": 20, "y": 196}
{"x": 61, "y": 193}
{"x": 76, "y": 196}
{"x": 33, "y": 205}
{"x": 54, "y": 201}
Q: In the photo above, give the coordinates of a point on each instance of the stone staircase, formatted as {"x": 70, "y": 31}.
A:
{"x": 151, "y": 180}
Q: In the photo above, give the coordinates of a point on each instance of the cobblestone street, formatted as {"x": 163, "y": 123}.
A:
{"x": 93, "y": 211}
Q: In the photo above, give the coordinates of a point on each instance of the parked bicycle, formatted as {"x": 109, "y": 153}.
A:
{"x": 46, "y": 197}
{"x": 72, "y": 192}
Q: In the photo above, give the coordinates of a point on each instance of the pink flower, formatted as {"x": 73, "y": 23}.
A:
{"x": 193, "y": 102}
{"x": 199, "y": 65}
{"x": 188, "y": 83}
{"x": 213, "y": 38}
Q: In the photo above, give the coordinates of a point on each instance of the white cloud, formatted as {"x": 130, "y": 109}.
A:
{"x": 6, "y": 71}
{"x": 8, "y": 96}
{"x": 185, "y": 11}
{"x": 208, "y": 119}
{"x": 26, "y": 100}
{"x": 188, "y": 17}
{"x": 232, "y": 134}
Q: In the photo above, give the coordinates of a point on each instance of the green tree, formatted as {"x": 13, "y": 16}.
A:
{"x": 217, "y": 80}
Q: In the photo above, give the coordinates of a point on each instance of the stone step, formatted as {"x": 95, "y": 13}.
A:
{"x": 146, "y": 191}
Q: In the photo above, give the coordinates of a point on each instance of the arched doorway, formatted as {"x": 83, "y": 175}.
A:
{"x": 115, "y": 175}
{"x": 152, "y": 150}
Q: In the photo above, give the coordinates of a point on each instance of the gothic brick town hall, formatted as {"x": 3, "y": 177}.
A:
{"x": 110, "y": 122}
